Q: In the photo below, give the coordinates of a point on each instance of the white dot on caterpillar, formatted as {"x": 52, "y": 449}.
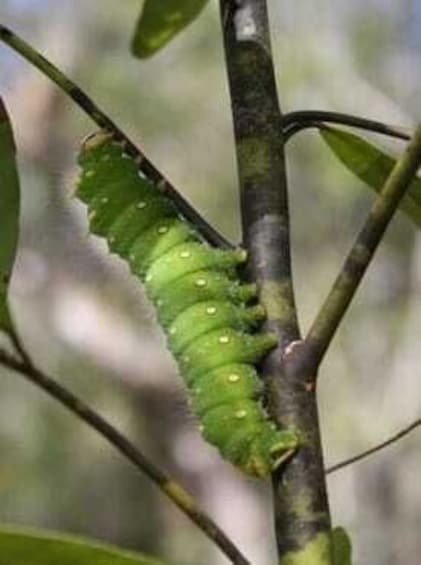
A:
{"x": 132, "y": 257}
{"x": 211, "y": 310}
{"x": 200, "y": 282}
{"x": 111, "y": 239}
{"x": 106, "y": 157}
{"x": 148, "y": 277}
{"x": 91, "y": 215}
{"x": 90, "y": 173}
{"x": 241, "y": 414}
{"x": 201, "y": 428}
{"x": 159, "y": 302}
{"x": 185, "y": 254}
{"x": 186, "y": 358}
{"x": 140, "y": 205}
{"x": 233, "y": 378}
{"x": 163, "y": 229}
{"x": 173, "y": 331}
{"x": 224, "y": 339}
{"x": 104, "y": 199}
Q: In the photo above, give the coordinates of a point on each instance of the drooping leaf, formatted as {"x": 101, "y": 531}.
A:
{"x": 160, "y": 21}
{"x": 342, "y": 549}
{"x": 372, "y": 166}
{"x": 9, "y": 212}
{"x": 22, "y": 547}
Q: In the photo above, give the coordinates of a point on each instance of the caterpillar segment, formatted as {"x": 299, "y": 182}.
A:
{"x": 209, "y": 316}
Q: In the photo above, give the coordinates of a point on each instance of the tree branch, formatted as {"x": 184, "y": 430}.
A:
{"x": 173, "y": 490}
{"x": 97, "y": 115}
{"x": 293, "y": 122}
{"x": 393, "y": 439}
{"x": 333, "y": 310}
{"x": 264, "y": 201}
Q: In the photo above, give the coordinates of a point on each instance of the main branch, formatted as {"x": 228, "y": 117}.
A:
{"x": 301, "y": 507}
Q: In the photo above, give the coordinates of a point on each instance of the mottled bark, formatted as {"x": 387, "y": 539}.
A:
{"x": 301, "y": 506}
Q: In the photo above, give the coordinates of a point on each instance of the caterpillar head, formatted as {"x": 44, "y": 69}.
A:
{"x": 268, "y": 452}
{"x": 96, "y": 139}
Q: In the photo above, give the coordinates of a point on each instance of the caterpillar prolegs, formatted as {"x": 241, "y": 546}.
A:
{"x": 201, "y": 304}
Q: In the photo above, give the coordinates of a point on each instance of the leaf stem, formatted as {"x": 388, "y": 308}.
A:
{"x": 293, "y": 122}
{"x": 336, "y": 304}
{"x": 104, "y": 122}
{"x": 173, "y": 490}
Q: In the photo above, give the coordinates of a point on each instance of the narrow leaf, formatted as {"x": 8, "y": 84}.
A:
{"x": 372, "y": 166}
{"x": 9, "y": 212}
{"x": 21, "y": 547}
{"x": 160, "y": 21}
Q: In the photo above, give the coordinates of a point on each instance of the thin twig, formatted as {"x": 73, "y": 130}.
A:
{"x": 396, "y": 437}
{"x": 294, "y": 122}
{"x": 104, "y": 122}
{"x": 361, "y": 254}
{"x": 174, "y": 491}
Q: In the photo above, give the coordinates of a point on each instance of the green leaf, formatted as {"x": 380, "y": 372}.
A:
{"x": 160, "y": 21}
{"x": 9, "y": 212}
{"x": 23, "y": 547}
{"x": 341, "y": 546}
{"x": 372, "y": 166}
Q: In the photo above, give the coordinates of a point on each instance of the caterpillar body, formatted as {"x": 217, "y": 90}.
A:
{"x": 208, "y": 315}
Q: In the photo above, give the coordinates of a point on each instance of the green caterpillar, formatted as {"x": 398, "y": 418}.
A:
{"x": 201, "y": 304}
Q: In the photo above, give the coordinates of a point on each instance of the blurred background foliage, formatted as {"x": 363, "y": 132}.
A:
{"x": 86, "y": 321}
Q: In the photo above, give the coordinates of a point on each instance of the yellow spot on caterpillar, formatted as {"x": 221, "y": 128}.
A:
{"x": 173, "y": 331}
{"x": 163, "y": 229}
{"x": 198, "y": 390}
{"x": 148, "y": 277}
{"x": 233, "y": 378}
{"x": 140, "y": 205}
{"x": 185, "y": 254}
{"x": 201, "y": 428}
{"x": 159, "y": 302}
{"x": 89, "y": 173}
{"x": 211, "y": 310}
{"x": 201, "y": 282}
{"x": 224, "y": 339}
{"x": 91, "y": 215}
{"x": 104, "y": 199}
{"x": 186, "y": 358}
{"x": 240, "y": 414}
{"x": 132, "y": 257}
